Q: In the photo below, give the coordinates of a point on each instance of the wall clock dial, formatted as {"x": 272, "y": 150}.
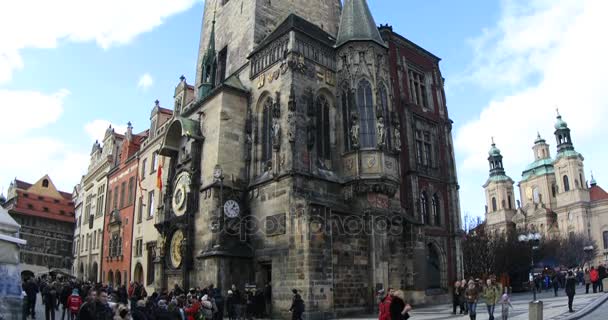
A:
{"x": 180, "y": 194}
{"x": 176, "y": 249}
{"x": 232, "y": 209}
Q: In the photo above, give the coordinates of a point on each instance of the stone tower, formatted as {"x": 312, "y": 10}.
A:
{"x": 538, "y": 186}
{"x": 500, "y": 198}
{"x": 240, "y": 26}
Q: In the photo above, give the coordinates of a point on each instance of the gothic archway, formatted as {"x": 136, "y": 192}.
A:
{"x": 433, "y": 268}
{"x": 138, "y": 273}
{"x": 118, "y": 276}
{"x": 94, "y": 271}
{"x": 110, "y": 279}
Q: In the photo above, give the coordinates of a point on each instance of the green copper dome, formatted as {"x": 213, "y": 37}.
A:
{"x": 560, "y": 124}
{"x": 494, "y": 151}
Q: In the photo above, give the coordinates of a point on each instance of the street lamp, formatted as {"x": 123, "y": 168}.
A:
{"x": 534, "y": 240}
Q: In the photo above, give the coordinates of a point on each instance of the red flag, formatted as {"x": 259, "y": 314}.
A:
{"x": 159, "y": 176}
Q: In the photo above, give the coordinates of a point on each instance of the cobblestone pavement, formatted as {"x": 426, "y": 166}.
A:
{"x": 554, "y": 308}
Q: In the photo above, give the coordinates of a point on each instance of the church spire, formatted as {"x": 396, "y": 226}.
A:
{"x": 209, "y": 65}
{"x": 495, "y": 160}
{"x": 562, "y": 135}
{"x": 357, "y": 24}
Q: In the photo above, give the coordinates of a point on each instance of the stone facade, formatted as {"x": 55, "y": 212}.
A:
{"x": 46, "y": 216}
{"x": 286, "y": 168}
{"x": 556, "y": 199}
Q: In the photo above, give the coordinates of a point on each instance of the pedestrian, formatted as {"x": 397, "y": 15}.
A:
{"x": 570, "y": 289}
{"x": 74, "y": 302}
{"x": 456, "y": 297}
{"x": 587, "y": 279}
{"x": 66, "y": 291}
{"x": 193, "y": 308}
{"x": 87, "y": 309}
{"x": 297, "y": 306}
{"x": 219, "y": 301}
{"x": 231, "y": 305}
{"x": 31, "y": 290}
{"x": 140, "y": 312}
{"x": 601, "y": 270}
{"x": 472, "y": 296}
{"x": 399, "y": 310}
{"x": 122, "y": 313}
{"x": 491, "y": 294}
{"x": 384, "y": 311}
{"x": 207, "y": 306}
{"x": 102, "y": 307}
{"x": 595, "y": 279}
{"x": 268, "y": 299}
{"x": 505, "y": 303}
{"x": 237, "y": 301}
{"x": 51, "y": 301}
{"x": 555, "y": 282}
{"x": 463, "y": 288}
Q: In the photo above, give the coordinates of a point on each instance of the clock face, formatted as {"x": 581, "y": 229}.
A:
{"x": 231, "y": 209}
{"x": 176, "y": 249}
{"x": 182, "y": 185}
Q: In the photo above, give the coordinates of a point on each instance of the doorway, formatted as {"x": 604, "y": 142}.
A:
{"x": 265, "y": 284}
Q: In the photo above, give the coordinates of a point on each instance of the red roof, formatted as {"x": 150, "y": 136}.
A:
{"x": 596, "y": 193}
{"x": 22, "y": 184}
{"x": 165, "y": 110}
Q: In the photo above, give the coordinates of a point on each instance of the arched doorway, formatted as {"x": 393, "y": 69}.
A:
{"x": 433, "y": 268}
{"x": 110, "y": 277}
{"x": 81, "y": 271}
{"x": 118, "y": 276}
{"x": 138, "y": 273}
{"x": 94, "y": 271}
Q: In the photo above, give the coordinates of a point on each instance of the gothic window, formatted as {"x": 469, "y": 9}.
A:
{"x": 494, "y": 205}
{"x": 436, "y": 210}
{"x": 222, "y": 56}
{"x": 323, "y": 128}
{"x": 385, "y": 111}
{"x": 418, "y": 92}
{"x": 267, "y": 131}
{"x": 566, "y": 183}
{"x": 424, "y": 208}
{"x": 424, "y": 155}
{"x": 131, "y": 191}
{"x": 346, "y": 118}
{"x": 367, "y": 131}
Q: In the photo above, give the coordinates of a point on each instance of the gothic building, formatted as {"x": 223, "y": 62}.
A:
{"x": 314, "y": 152}
{"x": 556, "y": 199}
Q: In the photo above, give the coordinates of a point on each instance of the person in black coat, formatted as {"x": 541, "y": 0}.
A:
{"x": 297, "y": 306}
{"x": 603, "y": 273}
{"x": 31, "y": 291}
{"x": 51, "y": 301}
{"x": 398, "y": 309}
{"x": 570, "y": 289}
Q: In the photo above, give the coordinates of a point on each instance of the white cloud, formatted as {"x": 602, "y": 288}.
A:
{"x": 27, "y": 155}
{"x": 96, "y": 129}
{"x": 547, "y": 53}
{"x": 145, "y": 81}
{"x": 43, "y": 24}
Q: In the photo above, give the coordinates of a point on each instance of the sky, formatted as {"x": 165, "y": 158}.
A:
{"x": 70, "y": 68}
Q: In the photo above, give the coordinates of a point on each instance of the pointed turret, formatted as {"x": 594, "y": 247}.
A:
{"x": 209, "y": 65}
{"x": 495, "y": 160}
{"x": 357, "y": 24}
{"x": 562, "y": 135}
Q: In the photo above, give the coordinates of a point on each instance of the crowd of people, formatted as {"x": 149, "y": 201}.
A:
{"x": 467, "y": 294}
{"x": 77, "y": 300}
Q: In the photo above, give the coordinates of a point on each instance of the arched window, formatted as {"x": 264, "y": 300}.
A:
{"x": 267, "y": 131}
{"x": 45, "y": 183}
{"x": 494, "y": 205}
{"x": 510, "y": 202}
{"x": 605, "y": 236}
{"x": 424, "y": 208}
{"x": 566, "y": 184}
{"x": 385, "y": 112}
{"x": 436, "y": 210}
{"x": 346, "y": 118}
{"x": 367, "y": 130}
{"x": 323, "y": 128}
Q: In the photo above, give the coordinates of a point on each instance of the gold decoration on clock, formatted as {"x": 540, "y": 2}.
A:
{"x": 176, "y": 248}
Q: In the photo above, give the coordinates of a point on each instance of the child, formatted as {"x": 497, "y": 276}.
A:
{"x": 74, "y": 303}
{"x": 505, "y": 303}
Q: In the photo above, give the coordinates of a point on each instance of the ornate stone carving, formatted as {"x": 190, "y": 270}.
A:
{"x": 397, "y": 135}
{"x": 354, "y": 130}
{"x": 381, "y": 132}
{"x": 362, "y": 187}
{"x": 291, "y": 127}
{"x": 276, "y": 106}
{"x": 276, "y": 133}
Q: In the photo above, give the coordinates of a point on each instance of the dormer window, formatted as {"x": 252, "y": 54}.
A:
{"x": 45, "y": 183}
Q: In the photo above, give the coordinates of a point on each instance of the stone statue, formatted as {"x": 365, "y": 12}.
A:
{"x": 381, "y": 132}
{"x": 291, "y": 127}
{"x": 276, "y": 133}
{"x": 354, "y": 130}
{"x": 397, "y": 134}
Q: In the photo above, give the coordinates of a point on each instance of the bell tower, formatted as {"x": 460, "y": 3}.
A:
{"x": 500, "y": 198}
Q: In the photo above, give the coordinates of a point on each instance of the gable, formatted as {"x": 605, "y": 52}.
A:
{"x": 45, "y": 187}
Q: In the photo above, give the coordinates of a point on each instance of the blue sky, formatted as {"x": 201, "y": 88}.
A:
{"x": 69, "y": 69}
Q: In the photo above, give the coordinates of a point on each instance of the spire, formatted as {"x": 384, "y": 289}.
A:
{"x": 495, "y": 160}
{"x": 209, "y": 65}
{"x": 357, "y": 24}
{"x": 562, "y": 135}
{"x": 593, "y": 183}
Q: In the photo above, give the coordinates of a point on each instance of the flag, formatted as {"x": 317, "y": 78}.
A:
{"x": 159, "y": 175}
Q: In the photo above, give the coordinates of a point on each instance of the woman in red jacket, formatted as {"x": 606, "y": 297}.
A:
{"x": 193, "y": 309}
{"x": 384, "y": 306}
{"x": 595, "y": 278}
{"x": 74, "y": 303}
